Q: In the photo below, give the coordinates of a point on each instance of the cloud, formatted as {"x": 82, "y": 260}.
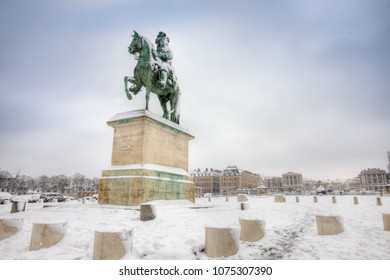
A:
{"x": 270, "y": 86}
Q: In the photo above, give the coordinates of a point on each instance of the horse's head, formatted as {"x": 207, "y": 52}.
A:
{"x": 136, "y": 44}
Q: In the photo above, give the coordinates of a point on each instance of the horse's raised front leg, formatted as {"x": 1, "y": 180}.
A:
{"x": 126, "y": 79}
{"x": 136, "y": 87}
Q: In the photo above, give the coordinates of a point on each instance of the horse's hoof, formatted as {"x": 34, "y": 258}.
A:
{"x": 135, "y": 90}
{"x": 128, "y": 95}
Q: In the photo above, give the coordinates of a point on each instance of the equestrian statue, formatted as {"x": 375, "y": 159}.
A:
{"x": 154, "y": 71}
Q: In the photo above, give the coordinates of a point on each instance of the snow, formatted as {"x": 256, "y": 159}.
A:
{"x": 140, "y": 113}
{"x": 15, "y": 223}
{"x": 60, "y": 227}
{"x": 153, "y": 167}
{"x": 177, "y": 233}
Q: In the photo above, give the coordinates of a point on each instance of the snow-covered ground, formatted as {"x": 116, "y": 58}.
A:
{"x": 178, "y": 232}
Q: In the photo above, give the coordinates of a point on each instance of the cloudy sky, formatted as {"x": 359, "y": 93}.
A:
{"x": 269, "y": 86}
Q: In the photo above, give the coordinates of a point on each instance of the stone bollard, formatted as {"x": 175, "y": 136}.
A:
{"x": 386, "y": 222}
{"x": 279, "y": 198}
{"x": 252, "y": 230}
{"x": 334, "y": 200}
{"x": 315, "y": 199}
{"x": 297, "y": 199}
{"x": 9, "y": 227}
{"x": 221, "y": 242}
{"x": 148, "y": 212}
{"x": 355, "y": 200}
{"x": 112, "y": 244}
{"x": 46, "y": 235}
{"x": 378, "y": 201}
{"x": 329, "y": 225}
{"x": 18, "y": 206}
{"x": 209, "y": 199}
{"x": 244, "y": 205}
{"x": 227, "y": 199}
{"x": 242, "y": 197}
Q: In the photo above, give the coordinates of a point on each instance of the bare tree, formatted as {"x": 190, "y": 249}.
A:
{"x": 6, "y": 181}
{"x": 95, "y": 184}
{"x": 44, "y": 183}
{"x": 60, "y": 182}
{"x": 79, "y": 182}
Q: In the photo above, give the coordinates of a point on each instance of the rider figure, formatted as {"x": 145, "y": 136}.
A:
{"x": 164, "y": 54}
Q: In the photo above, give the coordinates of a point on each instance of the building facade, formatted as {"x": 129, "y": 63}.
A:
{"x": 293, "y": 182}
{"x": 235, "y": 180}
{"x": 273, "y": 184}
{"x": 374, "y": 179}
{"x": 207, "y": 181}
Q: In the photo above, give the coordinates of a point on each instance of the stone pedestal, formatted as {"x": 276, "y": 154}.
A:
{"x": 149, "y": 161}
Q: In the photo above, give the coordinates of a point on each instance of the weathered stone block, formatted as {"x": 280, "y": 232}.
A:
{"x": 242, "y": 197}
{"x": 148, "y": 212}
{"x": 252, "y": 230}
{"x": 244, "y": 205}
{"x": 112, "y": 244}
{"x": 297, "y": 199}
{"x": 221, "y": 242}
{"x": 279, "y": 198}
{"x": 355, "y": 200}
{"x": 9, "y": 227}
{"x": 46, "y": 235}
{"x": 378, "y": 201}
{"x": 334, "y": 200}
{"x": 18, "y": 206}
{"x": 329, "y": 225}
{"x": 315, "y": 199}
{"x": 386, "y": 222}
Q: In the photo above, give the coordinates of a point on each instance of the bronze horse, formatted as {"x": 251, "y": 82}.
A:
{"x": 151, "y": 74}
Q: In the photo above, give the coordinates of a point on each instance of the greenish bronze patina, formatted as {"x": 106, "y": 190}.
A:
{"x": 136, "y": 186}
{"x": 154, "y": 71}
